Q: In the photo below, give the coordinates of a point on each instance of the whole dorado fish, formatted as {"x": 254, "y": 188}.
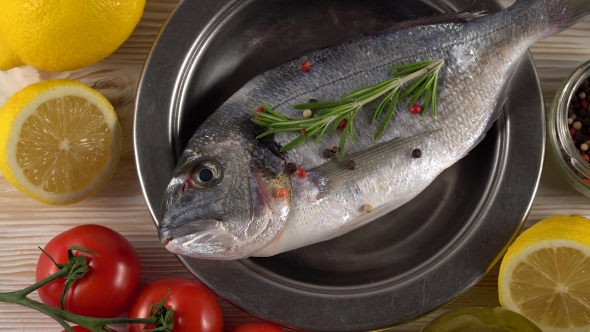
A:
{"x": 222, "y": 201}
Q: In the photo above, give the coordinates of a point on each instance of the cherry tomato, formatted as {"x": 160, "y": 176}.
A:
{"x": 108, "y": 287}
{"x": 257, "y": 327}
{"x": 195, "y": 308}
{"x": 78, "y": 329}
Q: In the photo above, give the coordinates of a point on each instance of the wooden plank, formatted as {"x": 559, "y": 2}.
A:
{"x": 26, "y": 224}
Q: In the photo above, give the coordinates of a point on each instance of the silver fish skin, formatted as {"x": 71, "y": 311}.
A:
{"x": 222, "y": 201}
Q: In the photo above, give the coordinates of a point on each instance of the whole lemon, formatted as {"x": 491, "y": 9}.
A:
{"x": 59, "y": 35}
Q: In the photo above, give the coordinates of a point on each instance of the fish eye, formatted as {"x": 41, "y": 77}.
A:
{"x": 206, "y": 173}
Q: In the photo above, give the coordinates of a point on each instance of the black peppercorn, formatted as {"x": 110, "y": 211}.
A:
{"x": 291, "y": 167}
{"x": 350, "y": 164}
{"x": 311, "y": 101}
{"x": 327, "y": 153}
{"x": 417, "y": 153}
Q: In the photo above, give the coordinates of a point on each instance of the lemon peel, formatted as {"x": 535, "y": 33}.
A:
{"x": 66, "y": 34}
{"x": 60, "y": 141}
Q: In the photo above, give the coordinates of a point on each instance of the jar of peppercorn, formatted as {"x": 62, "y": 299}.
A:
{"x": 569, "y": 129}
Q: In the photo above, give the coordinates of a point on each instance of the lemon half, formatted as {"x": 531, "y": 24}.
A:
{"x": 545, "y": 274}
{"x": 60, "y": 141}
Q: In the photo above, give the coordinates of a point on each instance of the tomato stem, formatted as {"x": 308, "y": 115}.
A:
{"x": 160, "y": 316}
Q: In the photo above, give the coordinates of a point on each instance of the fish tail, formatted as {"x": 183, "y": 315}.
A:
{"x": 556, "y": 15}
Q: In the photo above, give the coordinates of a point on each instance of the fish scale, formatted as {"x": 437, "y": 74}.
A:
{"x": 479, "y": 59}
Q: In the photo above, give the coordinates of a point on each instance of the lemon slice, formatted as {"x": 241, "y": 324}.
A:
{"x": 545, "y": 274}
{"x": 60, "y": 141}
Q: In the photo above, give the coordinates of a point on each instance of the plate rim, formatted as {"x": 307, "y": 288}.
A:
{"x": 159, "y": 71}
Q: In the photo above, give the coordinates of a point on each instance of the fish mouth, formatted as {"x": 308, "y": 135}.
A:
{"x": 203, "y": 240}
{"x": 167, "y": 233}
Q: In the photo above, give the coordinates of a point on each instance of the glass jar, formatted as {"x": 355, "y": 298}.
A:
{"x": 562, "y": 148}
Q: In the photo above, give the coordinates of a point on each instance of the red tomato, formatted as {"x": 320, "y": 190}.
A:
{"x": 195, "y": 308}
{"x": 78, "y": 329}
{"x": 257, "y": 327}
{"x": 108, "y": 287}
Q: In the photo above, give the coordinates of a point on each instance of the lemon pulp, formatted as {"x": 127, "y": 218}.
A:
{"x": 64, "y": 145}
{"x": 551, "y": 285}
{"x": 545, "y": 274}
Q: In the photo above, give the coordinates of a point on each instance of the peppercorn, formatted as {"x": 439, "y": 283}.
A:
{"x": 351, "y": 164}
{"x": 578, "y": 136}
{"x": 327, "y": 153}
{"x": 312, "y": 100}
{"x": 415, "y": 109}
{"x": 305, "y": 65}
{"x": 301, "y": 173}
{"x": 290, "y": 168}
{"x": 307, "y": 113}
{"x": 282, "y": 192}
{"x": 417, "y": 153}
{"x": 334, "y": 149}
{"x": 368, "y": 208}
{"x": 577, "y": 125}
{"x": 342, "y": 124}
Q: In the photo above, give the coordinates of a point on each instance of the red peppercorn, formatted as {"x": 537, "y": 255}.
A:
{"x": 305, "y": 65}
{"x": 282, "y": 192}
{"x": 586, "y": 157}
{"x": 584, "y": 103}
{"x": 260, "y": 109}
{"x": 303, "y": 131}
{"x": 415, "y": 109}
{"x": 572, "y": 131}
{"x": 586, "y": 180}
{"x": 342, "y": 124}
{"x": 301, "y": 173}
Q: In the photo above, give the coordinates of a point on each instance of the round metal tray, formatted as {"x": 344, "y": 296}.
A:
{"x": 399, "y": 267}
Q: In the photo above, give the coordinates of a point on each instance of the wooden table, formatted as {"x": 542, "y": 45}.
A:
{"x": 26, "y": 224}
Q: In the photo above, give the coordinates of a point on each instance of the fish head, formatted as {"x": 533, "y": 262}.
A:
{"x": 222, "y": 202}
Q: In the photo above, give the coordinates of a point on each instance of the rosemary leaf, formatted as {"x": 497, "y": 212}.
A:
{"x": 388, "y": 115}
{"x": 295, "y": 142}
{"x": 369, "y": 90}
{"x": 387, "y": 99}
{"x": 320, "y": 105}
{"x": 411, "y": 90}
{"x": 319, "y": 137}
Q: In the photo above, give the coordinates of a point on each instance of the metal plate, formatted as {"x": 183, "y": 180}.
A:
{"x": 399, "y": 267}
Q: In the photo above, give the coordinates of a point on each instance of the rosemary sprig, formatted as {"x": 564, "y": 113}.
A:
{"x": 330, "y": 114}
